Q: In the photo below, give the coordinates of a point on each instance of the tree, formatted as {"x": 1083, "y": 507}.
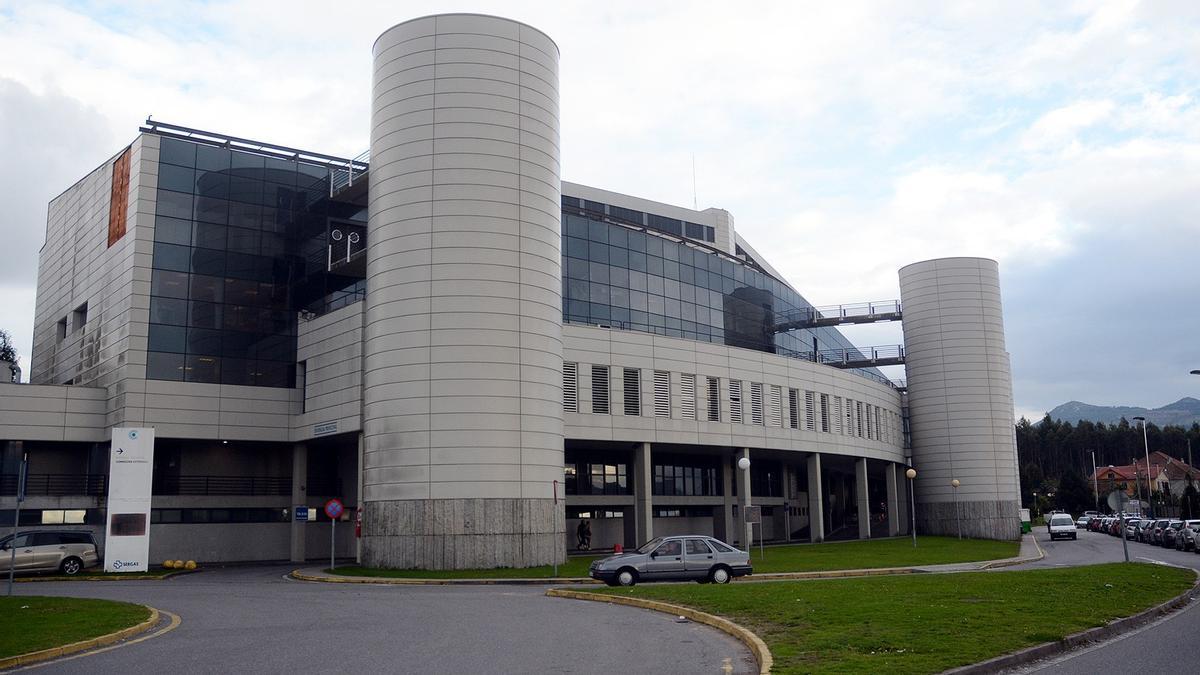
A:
{"x": 8, "y": 351}
{"x": 1073, "y": 494}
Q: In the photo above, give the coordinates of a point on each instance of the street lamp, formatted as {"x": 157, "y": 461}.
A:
{"x": 957, "y": 511}
{"x": 1196, "y": 372}
{"x": 911, "y": 474}
{"x": 743, "y": 463}
{"x": 1146, "y": 444}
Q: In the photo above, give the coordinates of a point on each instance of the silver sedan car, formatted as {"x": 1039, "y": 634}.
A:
{"x": 688, "y": 557}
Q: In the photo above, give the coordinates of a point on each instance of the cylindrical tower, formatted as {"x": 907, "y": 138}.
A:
{"x": 462, "y": 409}
{"x": 960, "y": 399}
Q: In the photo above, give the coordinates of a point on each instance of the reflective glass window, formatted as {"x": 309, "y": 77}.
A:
{"x": 163, "y": 366}
{"x": 167, "y": 338}
{"x": 172, "y": 257}
{"x": 172, "y": 230}
{"x": 174, "y": 204}
{"x": 173, "y": 151}
{"x": 177, "y": 178}
{"x": 169, "y": 284}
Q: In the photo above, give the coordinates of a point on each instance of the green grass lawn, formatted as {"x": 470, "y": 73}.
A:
{"x": 924, "y": 623}
{"x": 792, "y": 558}
{"x": 576, "y": 566}
{"x": 851, "y": 555}
{"x": 31, "y": 623}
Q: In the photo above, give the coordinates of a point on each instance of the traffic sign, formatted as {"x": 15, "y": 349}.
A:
{"x": 1118, "y": 500}
{"x": 334, "y": 508}
{"x": 301, "y": 513}
{"x": 754, "y": 514}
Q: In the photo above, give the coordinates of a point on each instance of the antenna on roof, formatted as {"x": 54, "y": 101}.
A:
{"x": 694, "y": 206}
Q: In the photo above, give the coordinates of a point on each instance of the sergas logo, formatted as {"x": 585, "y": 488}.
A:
{"x": 133, "y": 435}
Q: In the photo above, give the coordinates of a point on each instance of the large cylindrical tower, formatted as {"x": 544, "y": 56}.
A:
{"x": 462, "y": 409}
{"x": 960, "y": 399}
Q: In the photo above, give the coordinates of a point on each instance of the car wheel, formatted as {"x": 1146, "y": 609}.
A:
{"x": 719, "y": 575}
{"x": 626, "y": 577}
{"x": 71, "y": 566}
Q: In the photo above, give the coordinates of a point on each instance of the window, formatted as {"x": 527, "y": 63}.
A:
{"x": 633, "y": 392}
{"x": 756, "y": 403}
{"x": 775, "y": 406}
{"x": 62, "y": 329}
{"x": 714, "y": 399}
{"x": 79, "y": 318}
{"x": 662, "y": 393}
{"x": 600, "y": 390}
{"x": 837, "y": 414}
{"x": 870, "y": 413}
{"x": 858, "y": 418}
{"x": 825, "y": 413}
{"x": 697, "y": 547}
{"x": 687, "y": 396}
{"x": 735, "y": 401}
{"x": 849, "y": 417}
{"x": 684, "y": 477}
{"x": 793, "y": 408}
{"x": 877, "y": 434}
{"x": 810, "y": 413}
{"x": 607, "y": 479}
{"x": 571, "y": 387}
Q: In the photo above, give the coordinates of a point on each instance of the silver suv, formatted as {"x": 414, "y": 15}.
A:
{"x": 69, "y": 552}
{"x": 688, "y": 557}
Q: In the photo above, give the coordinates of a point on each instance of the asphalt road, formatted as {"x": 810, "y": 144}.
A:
{"x": 253, "y": 619}
{"x": 1143, "y": 650}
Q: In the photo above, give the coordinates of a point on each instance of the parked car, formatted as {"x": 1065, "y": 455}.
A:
{"x": 1171, "y": 533}
{"x": 1131, "y": 526}
{"x": 1157, "y": 533}
{"x": 1186, "y": 541}
{"x": 1082, "y": 523}
{"x": 688, "y": 557}
{"x": 1143, "y": 529}
{"x": 1061, "y": 525}
{"x": 65, "y": 551}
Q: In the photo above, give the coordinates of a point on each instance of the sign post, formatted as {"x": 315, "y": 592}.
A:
{"x": 753, "y": 516}
{"x": 12, "y": 556}
{"x": 130, "y": 471}
{"x": 333, "y": 509}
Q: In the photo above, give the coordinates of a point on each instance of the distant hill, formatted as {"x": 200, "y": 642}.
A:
{"x": 1183, "y": 413}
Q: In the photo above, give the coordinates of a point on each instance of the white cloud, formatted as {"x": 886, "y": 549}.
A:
{"x": 847, "y": 139}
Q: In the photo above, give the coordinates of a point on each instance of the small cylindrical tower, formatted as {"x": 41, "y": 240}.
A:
{"x": 960, "y": 399}
{"x": 462, "y": 409}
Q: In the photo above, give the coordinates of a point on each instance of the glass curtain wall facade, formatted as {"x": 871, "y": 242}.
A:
{"x": 636, "y": 280}
{"x": 241, "y": 242}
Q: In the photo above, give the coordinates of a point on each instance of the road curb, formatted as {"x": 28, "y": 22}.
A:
{"x": 1009, "y": 562}
{"x": 335, "y": 579}
{"x": 757, "y": 647}
{"x": 84, "y": 645}
{"x": 97, "y": 577}
{"x": 1070, "y": 642}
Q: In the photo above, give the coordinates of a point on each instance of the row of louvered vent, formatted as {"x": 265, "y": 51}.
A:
{"x": 808, "y": 410}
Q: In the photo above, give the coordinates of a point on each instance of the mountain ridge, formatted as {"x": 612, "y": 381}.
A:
{"x": 1185, "y": 412}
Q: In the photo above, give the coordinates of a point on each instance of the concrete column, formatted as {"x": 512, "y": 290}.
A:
{"x": 863, "y": 497}
{"x": 744, "y": 500}
{"x": 786, "y": 519}
{"x": 816, "y": 511}
{"x": 727, "y": 522}
{"x": 462, "y": 344}
{"x": 643, "y": 471}
{"x": 960, "y": 397}
{"x": 299, "y": 496}
{"x": 359, "y": 498}
{"x": 893, "y": 498}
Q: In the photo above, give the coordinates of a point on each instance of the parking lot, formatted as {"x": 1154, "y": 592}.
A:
{"x": 1143, "y": 650}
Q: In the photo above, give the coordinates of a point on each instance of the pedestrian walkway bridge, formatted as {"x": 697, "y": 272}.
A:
{"x": 852, "y": 357}
{"x": 838, "y": 315}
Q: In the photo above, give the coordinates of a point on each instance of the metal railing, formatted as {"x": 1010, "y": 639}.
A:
{"x": 852, "y": 357}
{"x": 833, "y": 315}
{"x": 224, "y": 485}
{"x": 56, "y": 484}
{"x": 344, "y": 177}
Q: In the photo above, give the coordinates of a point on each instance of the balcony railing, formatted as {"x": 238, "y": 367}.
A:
{"x": 56, "y": 484}
{"x": 224, "y": 485}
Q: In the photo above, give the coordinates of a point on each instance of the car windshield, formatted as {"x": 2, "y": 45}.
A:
{"x": 1061, "y": 520}
{"x": 650, "y": 545}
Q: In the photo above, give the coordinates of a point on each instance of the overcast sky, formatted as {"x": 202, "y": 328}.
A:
{"x": 847, "y": 139}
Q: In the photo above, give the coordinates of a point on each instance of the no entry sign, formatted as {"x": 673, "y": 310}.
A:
{"x": 334, "y": 508}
